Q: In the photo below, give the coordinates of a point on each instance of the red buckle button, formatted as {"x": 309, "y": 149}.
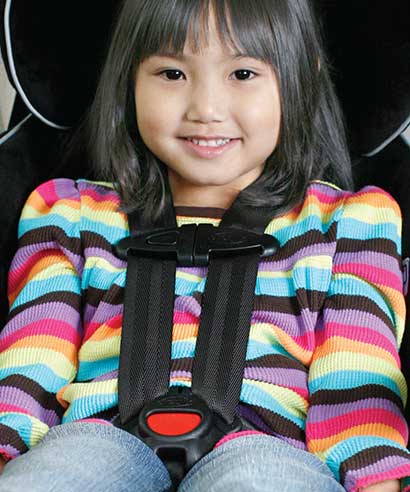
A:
{"x": 173, "y": 424}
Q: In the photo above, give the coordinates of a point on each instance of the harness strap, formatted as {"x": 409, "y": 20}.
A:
{"x": 145, "y": 351}
{"x": 220, "y": 352}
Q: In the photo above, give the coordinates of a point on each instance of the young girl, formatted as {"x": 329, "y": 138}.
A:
{"x": 227, "y": 100}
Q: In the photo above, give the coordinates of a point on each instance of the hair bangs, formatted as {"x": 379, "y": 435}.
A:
{"x": 170, "y": 26}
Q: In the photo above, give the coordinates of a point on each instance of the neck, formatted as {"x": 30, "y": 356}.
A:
{"x": 201, "y": 196}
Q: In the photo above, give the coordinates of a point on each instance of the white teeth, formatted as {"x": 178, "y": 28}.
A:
{"x": 210, "y": 143}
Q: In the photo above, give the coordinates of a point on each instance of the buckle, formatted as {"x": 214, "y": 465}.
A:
{"x": 180, "y": 428}
{"x": 192, "y": 244}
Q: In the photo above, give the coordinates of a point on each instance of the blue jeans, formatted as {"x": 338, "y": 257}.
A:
{"x": 90, "y": 457}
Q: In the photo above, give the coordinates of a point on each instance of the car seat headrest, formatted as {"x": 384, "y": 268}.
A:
{"x": 369, "y": 47}
{"x": 53, "y": 52}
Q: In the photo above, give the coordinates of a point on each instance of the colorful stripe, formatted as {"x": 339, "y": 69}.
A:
{"x": 322, "y": 367}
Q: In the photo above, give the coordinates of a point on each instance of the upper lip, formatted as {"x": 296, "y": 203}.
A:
{"x": 208, "y": 137}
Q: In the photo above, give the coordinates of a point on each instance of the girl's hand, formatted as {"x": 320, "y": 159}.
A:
{"x": 386, "y": 486}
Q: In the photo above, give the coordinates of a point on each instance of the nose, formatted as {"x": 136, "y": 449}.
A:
{"x": 207, "y": 102}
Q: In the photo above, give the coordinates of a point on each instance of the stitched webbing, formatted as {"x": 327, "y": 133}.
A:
{"x": 145, "y": 352}
{"x": 220, "y": 351}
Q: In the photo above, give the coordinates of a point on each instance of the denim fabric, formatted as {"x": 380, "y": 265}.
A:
{"x": 86, "y": 457}
{"x": 90, "y": 457}
{"x": 259, "y": 463}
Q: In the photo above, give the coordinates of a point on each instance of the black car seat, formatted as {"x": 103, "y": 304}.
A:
{"x": 53, "y": 53}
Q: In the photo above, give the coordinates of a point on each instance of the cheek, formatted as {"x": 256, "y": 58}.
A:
{"x": 271, "y": 107}
{"x": 148, "y": 120}
{"x": 155, "y": 113}
{"x": 148, "y": 116}
{"x": 261, "y": 110}
{"x": 264, "y": 126}
{"x": 271, "y": 115}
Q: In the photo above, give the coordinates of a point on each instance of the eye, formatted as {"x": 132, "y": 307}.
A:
{"x": 171, "y": 74}
{"x": 243, "y": 74}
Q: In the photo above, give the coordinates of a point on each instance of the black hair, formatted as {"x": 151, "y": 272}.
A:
{"x": 284, "y": 33}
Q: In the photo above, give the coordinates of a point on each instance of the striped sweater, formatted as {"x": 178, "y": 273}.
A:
{"x": 322, "y": 367}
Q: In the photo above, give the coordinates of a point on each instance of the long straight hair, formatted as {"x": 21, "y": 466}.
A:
{"x": 283, "y": 33}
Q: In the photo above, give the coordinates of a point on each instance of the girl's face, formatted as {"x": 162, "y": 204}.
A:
{"x": 207, "y": 95}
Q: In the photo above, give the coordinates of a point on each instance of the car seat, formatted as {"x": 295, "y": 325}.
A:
{"x": 53, "y": 54}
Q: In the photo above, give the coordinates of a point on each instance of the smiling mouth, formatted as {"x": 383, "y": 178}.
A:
{"x": 209, "y": 143}
{"x": 208, "y": 150}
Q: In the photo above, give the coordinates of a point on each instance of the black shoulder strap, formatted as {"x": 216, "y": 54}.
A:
{"x": 145, "y": 351}
{"x": 220, "y": 352}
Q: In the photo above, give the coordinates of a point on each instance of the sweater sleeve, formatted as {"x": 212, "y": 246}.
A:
{"x": 39, "y": 343}
{"x": 355, "y": 421}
